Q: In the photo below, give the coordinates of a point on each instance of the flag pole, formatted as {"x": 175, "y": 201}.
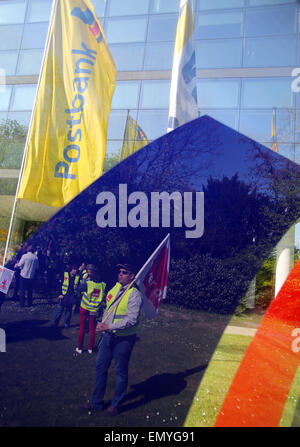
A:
{"x": 54, "y": 4}
{"x": 135, "y": 278}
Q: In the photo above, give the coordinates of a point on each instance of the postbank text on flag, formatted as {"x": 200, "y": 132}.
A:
{"x": 67, "y": 137}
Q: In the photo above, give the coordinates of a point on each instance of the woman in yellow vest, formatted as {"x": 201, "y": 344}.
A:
{"x": 92, "y": 294}
{"x": 120, "y": 328}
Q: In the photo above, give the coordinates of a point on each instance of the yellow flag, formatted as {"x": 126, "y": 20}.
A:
{"x": 67, "y": 140}
{"x": 134, "y": 138}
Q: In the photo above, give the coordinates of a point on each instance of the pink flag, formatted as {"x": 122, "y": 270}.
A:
{"x": 152, "y": 279}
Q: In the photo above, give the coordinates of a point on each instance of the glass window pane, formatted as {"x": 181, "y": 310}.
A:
{"x": 126, "y": 30}
{"x": 159, "y": 56}
{"x": 130, "y": 7}
{"x": 23, "y": 98}
{"x": 22, "y": 117}
{"x": 162, "y": 28}
{"x": 219, "y": 53}
{"x": 126, "y": 95}
{"x": 5, "y": 93}
{"x": 217, "y": 93}
{"x": 30, "y": 62}
{"x": 39, "y": 10}
{"x": 266, "y": 93}
{"x": 219, "y": 4}
{"x": 35, "y": 35}
{"x": 269, "y": 2}
{"x": 259, "y": 51}
{"x": 12, "y": 11}
{"x": 269, "y": 21}
{"x": 10, "y": 37}
{"x": 3, "y": 116}
{"x": 153, "y": 122}
{"x": 112, "y": 148}
{"x": 287, "y": 150}
{"x": 257, "y": 124}
{"x": 221, "y": 24}
{"x": 8, "y": 62}
{"x": 155, "y": 94}
{"x": 99, "y": 6}
{"x": 128, "y": 57}
{"x": 116, "y": 124}
{"x": 227, "y": 117}
{"x": 165, "y": 6}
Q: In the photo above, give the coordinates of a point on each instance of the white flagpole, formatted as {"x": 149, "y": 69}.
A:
{"x": 54, "y": 4}
{"x": 135, "y": 278}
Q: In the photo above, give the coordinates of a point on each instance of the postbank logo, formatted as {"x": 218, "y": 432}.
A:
{"x": 88, "y": 18}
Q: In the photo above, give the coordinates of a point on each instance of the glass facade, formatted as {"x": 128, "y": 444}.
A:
{"x": 245, "y": 53}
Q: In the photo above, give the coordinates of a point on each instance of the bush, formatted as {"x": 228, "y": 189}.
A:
{"x": 192, "y": 281}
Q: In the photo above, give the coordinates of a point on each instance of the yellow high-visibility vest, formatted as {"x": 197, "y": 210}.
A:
{"x": 92, "y": 298}
{"x": 65, "y": 284}
{"x": 121, "y": 309}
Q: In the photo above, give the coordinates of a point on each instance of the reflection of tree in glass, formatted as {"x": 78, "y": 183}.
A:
{"x": 12, "y": 142}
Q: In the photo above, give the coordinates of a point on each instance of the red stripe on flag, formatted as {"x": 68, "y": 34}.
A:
{"x": 95, "y": 29}
{"x": 259, "y": 390}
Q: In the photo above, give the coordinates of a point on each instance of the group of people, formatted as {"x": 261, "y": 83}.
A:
{"x": 116, "y": 317}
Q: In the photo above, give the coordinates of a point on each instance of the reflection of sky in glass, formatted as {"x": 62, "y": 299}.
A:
{"x": 12, "y": 12}
{"x": 267, "y": 92}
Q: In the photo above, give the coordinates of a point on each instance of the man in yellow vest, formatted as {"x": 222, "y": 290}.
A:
{"x": 66, "y": 299}
{"x": 119, "y": 336}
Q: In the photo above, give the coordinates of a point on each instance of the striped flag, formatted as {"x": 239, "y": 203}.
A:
{"x": 183, "y": 94}
{"x": 273, "y": 135}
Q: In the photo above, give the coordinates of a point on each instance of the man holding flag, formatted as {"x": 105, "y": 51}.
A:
{"x": 120, "y": 322}
{"x": 120, "y": 328}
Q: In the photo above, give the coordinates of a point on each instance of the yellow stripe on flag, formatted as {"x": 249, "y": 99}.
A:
{"x": 185, "y": 28}
{"x": 67, "y": 140}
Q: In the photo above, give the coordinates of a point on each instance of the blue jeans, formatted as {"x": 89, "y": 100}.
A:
{"x": 117, "y": 348}
{"x": 26, "y": 285}
{"x": 59, "y": 311}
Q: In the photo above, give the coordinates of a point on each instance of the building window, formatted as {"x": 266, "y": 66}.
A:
{"x": 276, "y": 51}
{"x": 219, "y": 24}
{"x": 271, "y": 21}
{"x": 125, "y": 30}
{"x": 10, "y": 37}
{"x": 219, "y": 53}
{"x": 12, "y": 11}
{"x": 128, "y": 7}
{"x": 30, "y": 62}
{"x": 8, "y": 61}
{"x": 35, "y": 35}
{"x": 159, "y": 56}
{"x": 126, "y": 95}
{"x": 39, "y": 10}
{"x": 271, "y": 92}
{"x": 162, "y": 28}
{"x": 5, "y": 94}
{"x": 128, "y": 57}
{"x": 218, "y": 93}
{"x": 23, "y": 97}
{"x": 155, "y": 95}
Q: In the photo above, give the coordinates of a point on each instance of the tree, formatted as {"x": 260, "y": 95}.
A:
{"x": 12, "y": 142}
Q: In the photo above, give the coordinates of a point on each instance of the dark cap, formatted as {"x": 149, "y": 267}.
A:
{"x": 91, "y": 267}
{"x": 128, "y": 267}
